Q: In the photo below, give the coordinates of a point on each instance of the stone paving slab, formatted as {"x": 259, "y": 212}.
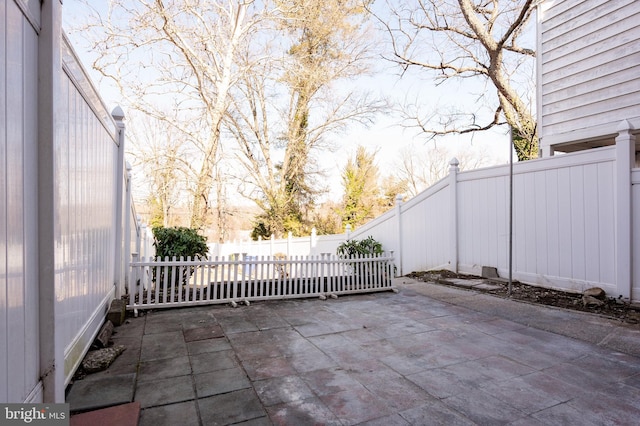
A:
{"x": 203, "y": 333}
{"x": 165, "y": 391}
{"x": 466, "y": 283}
{"x": 103, "y": 392}
{"x": 120, "y": 415}
{"x": 164, "y": 345}
{"x": 164, "y": 368}
{"x": 232, "y": 407}
{"x": 449, "y": 355}
{"x": 181, "y": 413}
{"x": 487, "y": 286}
{"x": 221, "y": 381}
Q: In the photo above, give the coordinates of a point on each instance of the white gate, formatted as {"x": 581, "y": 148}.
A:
{"x": 169, "y": 283}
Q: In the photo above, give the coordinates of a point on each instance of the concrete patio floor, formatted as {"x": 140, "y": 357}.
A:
{"x": 428, "y": 355}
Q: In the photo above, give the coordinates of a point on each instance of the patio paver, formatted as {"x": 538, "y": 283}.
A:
{"x": 427, "y": 355}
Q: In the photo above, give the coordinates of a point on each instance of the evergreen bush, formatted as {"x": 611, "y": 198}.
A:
{"x": 179, "y": 242}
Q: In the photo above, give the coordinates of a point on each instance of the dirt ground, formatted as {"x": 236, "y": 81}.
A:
{"x": 612, "y": 307}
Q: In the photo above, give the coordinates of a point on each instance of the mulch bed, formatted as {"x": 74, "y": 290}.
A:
{"x": 616, "y": 308}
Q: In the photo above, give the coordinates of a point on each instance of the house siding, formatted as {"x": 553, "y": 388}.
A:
{"x": 589, "y": 60}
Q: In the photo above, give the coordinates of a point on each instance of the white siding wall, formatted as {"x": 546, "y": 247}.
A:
{"x": 19, "y": 368}
{"x": 589, "y": 59}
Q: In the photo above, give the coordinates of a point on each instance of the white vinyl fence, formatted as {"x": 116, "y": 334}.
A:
{"x": 163, "y": 283}
{"x": 576, "y": 222}
{"x": 19, "y": 299}
{"x": 290, "y": 246}
{"x": 635, "y": 208}
{"x": 62, "y": 257}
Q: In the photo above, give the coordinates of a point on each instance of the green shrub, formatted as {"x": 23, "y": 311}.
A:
{"x": 364, "y": 272}
{"x": 179, "y": 241}
{"x": 352, "y": 248}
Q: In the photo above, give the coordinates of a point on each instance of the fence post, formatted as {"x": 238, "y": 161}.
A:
{"x": 453, "y": 205}
{"x": 399, "y": 232}
{"x": 289, "y": 236}
{"x": 118, "y": 116}
{"x": 127, "y": 235}
{"x": 625, "y": 161}
{"x": 145, "y": 247}
{"x": 139, "y": 236}
{"x": 347, "y": 231}
{"x": 51, "y": 343}
{"x": 271, "y": 244}
{"x": 313, "y": 240}
{"x": 135, "y": 257}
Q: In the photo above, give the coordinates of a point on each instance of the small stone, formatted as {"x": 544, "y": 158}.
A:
{"x": 633, "y": 318}
{"x": 596, "y": 292}
{"x": 101, "y": 359}
{"x": 117, "y": 311}
{"x": 591, "y": 301}
{"x": 102, "y": 339}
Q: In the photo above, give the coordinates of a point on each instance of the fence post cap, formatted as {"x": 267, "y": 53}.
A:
{"x": 625, "y": 126}
{"x": 117, "y": 113}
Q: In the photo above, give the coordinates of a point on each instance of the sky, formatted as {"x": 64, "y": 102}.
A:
{"x": 384, "y": 136}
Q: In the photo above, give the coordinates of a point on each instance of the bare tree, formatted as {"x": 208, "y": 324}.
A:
{"x": 422, "y": 166}
{"x": 459, "y": 39}
{"x": 160, "y": 154}
{"x": 172, "y": 55}
{"x": 325, "y": 42}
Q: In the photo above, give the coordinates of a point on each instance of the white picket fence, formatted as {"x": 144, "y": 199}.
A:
{"x": 165, "y": 283}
